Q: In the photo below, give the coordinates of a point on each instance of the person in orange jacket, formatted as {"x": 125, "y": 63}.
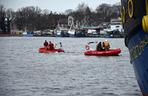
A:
{"x": 106, "y": 45}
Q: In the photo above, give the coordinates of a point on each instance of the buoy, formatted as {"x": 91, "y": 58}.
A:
{"x": 87, "y": 47}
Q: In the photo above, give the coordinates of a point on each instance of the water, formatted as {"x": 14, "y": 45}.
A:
{"x": 25, "y": 72}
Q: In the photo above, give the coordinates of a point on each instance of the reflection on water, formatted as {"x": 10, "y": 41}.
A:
{"x": 25, "y": 72}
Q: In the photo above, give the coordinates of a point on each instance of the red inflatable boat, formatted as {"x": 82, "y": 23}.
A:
{"x": 111, "y": 52}
{"x": 43, "y": 50}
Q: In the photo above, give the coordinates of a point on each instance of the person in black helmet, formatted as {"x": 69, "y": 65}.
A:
{"x": 46, "y": 44}
{"x": 99, "y": 47}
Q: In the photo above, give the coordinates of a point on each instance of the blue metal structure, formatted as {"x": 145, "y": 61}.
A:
{"x": 135, "y": 23}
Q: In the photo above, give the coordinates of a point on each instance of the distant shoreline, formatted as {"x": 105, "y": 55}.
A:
{"x": 9, "y": 35}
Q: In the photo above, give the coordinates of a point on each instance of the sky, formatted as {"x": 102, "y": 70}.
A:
{"x": 54, "y": 5}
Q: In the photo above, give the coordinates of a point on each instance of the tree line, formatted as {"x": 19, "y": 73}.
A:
{"x": 33, "y": 18}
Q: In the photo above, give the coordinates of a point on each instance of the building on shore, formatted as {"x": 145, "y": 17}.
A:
{"x": 15, "y": 31}
{"x": 113, "y": 29}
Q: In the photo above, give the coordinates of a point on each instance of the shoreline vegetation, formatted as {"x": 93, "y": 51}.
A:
{"x": 33, "y": 18}
{"x": 11, "y": 35}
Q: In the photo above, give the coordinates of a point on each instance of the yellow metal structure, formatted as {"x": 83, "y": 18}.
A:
{"x": 146, "y": 7}
{"x": 123, "y": 15}
{"x": 145, "y": 19}
{"x": 130, "y": 8}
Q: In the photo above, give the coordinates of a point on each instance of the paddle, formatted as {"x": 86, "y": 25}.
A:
{"x": 92, "y": 42}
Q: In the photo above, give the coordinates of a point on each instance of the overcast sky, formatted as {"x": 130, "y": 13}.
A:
{"x": 54, "y": 5}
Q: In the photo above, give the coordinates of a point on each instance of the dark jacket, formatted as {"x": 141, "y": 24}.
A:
{"x": 45, "y": 43}
{"x": 99, "y": 47}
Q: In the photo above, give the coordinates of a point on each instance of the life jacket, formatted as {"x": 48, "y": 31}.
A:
{"x": 106, "y": 44}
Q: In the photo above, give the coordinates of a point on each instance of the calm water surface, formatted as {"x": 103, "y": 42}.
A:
{"x": 25, "y": 72}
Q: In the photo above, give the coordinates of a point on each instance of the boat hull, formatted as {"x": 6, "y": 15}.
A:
{"x": 111, "y": 52}
{"x": 43, "y": 50}
{"x": 138, "y": 48}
